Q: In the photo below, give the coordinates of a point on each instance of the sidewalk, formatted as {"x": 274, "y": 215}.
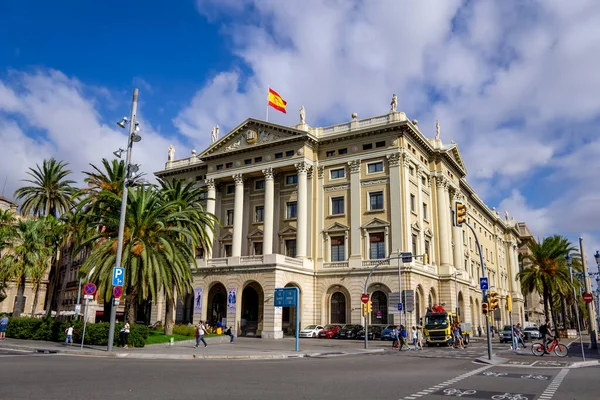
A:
{"x": 218, "y": 348}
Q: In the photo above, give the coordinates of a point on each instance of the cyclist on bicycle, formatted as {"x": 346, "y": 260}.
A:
{"x": 546, "y": 332}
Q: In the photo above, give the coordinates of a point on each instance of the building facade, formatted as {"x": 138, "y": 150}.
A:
{"x": 534, "y": 305}
{"x": 319, "y": 208}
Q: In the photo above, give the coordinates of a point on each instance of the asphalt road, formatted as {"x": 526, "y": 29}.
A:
{"x": 377, "y": 376}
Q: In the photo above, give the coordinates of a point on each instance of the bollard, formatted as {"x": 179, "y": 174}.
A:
{"x": 171, "y": 341}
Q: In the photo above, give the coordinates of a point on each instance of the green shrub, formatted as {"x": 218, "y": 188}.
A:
{"x": 184, "y": 330}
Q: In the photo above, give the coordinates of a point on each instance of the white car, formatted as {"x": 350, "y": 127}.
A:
{"x": 533, "y": 331}
{"x": 311, "y": 331}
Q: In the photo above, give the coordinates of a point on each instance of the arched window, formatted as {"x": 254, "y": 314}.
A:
{"x": 338, "y": 308}
{"x": 379, "y": 313}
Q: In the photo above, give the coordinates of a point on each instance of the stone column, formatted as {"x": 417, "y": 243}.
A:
{"x": 238, "y": 216}
{"x": 355, "y": 220}
{"x": 457, "y": 239}
{"x": 210, "y": 208}
{"x": 395, "y": 202}
{"x": 443, "y": 221}
{"x": 269, "y": 211}
{"x": 406, "y": 188}
{"x": 302, "y": 203}
{"x": 420, "y": 172}
{"x": 513, "y": 270}
{"x": 320, "y": 218}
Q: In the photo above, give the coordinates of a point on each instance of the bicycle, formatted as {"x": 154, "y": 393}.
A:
{"x": 458, "y": 392}
{"x": 536, "y": 377}
{"x": 509, "y": 396}
{"x": 538, "y": 349}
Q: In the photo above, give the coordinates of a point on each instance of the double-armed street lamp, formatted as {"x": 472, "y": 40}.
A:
{"x": 130, "y": 170}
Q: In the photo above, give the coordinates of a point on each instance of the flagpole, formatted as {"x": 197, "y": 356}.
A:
{"x": 268, "y": 88}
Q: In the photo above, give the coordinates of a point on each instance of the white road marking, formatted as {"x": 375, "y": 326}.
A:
{"x": 554, "y": 385}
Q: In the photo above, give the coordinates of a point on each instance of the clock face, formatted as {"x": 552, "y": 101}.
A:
{"x": 251, "y": 136}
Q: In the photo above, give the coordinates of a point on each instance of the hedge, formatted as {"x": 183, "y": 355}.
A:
{"x": 49, "y": 329}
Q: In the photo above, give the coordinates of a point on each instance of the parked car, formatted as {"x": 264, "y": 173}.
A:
{"x": 387, "y": 332}
{"x": 532, "y": 332}
{"x": 374, "y": 332}
{"x": 349, "y": 331}
{"x": 506, "y": 335}
{"x": 330, "y": 331}
{"x": 311, "y": 331}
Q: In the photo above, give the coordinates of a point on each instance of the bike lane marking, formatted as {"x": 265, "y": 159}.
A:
{"x": 554, "y": 385}
{"x": 441, "y": 386}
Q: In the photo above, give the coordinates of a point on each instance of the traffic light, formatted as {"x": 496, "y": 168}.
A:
{"x": 425, "y": 258}
{"x": 509, "y": 303}
{"x": 406, "y": 257}
{"x": 493, "y": 300}
{"x": 370, "y": 306}
{"x": 484, "y": 308}
{"x": 365, "y": 309}
{"x": 460, "y": 213}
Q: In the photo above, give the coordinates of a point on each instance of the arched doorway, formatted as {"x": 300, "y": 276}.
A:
{"x": 252, "y": 309}
{"x": 461, "y": 308}
{"x": 473, "y": 311}
{"x": 419, "y": 312}
{"x": 217, "y": 303}
{"x": 379, "y": 308}
{"x": 338, "y": 308}
{"x": 288, "y": 315}
{"x": 478, "y": 313}
{"x": 432, "y": 298}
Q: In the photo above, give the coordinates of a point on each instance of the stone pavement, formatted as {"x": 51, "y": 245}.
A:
{"x": 218, "y": 348}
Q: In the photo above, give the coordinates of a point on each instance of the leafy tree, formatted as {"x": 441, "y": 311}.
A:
{"x": 51, "y": 192}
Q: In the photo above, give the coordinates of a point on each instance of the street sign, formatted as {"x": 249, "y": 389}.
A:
{"x": 483, "y": 283}
{"x": 88, "y": 297}
{"x": 286, "y": 297}
{"x": 393, "y": 300}
{"x": 406, "y": 257}
{"x": 409, "y": 300}
{"x": 588, "y": 297}
{"x": 89, "y": 288}
{"x": 117, "y": 292}
{"x": 364, "y": 298}
{"x": 399, "y": 306}
{"x": 118, "y": 276}
{"x": 77, "y": 308}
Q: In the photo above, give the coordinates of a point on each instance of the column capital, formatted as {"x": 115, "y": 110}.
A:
{"x": 420, "y": 170}
{"x": 441, "y": 182}
{"x": 354, "y": 166}
{"x": 406, "y": 161}
{"x": 321, "y": 172}
{"x": 238, "y": 178}
{"x": 309, "y": 173}
{"x": 269, "y": 173}
{"x": 210, "y": 183}
{"x": 393, "y": 159}
{"x": 302, "y": 167}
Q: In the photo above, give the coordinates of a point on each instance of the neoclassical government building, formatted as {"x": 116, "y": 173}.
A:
{"x": 319, "y": 207}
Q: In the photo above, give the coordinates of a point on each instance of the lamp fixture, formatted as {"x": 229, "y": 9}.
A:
{"x": 118, "y": 153}
{"x": 597, "y": 256}
{"x": 123, "y": 122}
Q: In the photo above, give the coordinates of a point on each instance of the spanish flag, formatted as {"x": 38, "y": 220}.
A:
{"x": 276, "y": 101}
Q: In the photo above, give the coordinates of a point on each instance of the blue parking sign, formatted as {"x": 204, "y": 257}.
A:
{"x": 483, "y": 283}
{"x": 399, "y": 306}
{"x": 118, "y": 276}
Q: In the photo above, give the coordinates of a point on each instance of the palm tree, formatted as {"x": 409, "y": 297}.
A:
{"x": 7, "y": 232}
{"x": 25, "y": 252}
{"x": 186, "y": 196}
{"x": 51, "y": 193}
{"x": 546, "y": 270}
{"x": 156, "y": 253}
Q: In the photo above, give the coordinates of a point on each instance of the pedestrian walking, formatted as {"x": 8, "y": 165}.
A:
{"x": 403, "y": 337}
{"x": 479, "y": 330}
{"x": 521, "y": 336}
{"x": 228, "y": 333}
{"x": 69, "y": 332}
{"x": 125, "y": 335}
{"x": 3, "y": 326}
{"x": 200, "y": 331}
{"x": 420, "y": 336}
{"x": 414, "y": 337}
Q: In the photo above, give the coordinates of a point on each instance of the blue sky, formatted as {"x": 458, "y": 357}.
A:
{"x": 514, "y": 83}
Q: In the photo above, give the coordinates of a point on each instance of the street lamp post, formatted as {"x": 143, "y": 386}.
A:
{"x": 570, "y": 264}
{"x": 597, "y": 297}
{"x": 590, "y": 306}
{"x": 133, "y": 137}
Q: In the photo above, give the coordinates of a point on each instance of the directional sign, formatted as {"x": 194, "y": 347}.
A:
{"x": 77, "y": 308}
{"x": 409, "y": 300}
{"x": 88, "y": 297}
{"x": 117, "y": 292}
{"x": 118, "y": 276}
{"x": 286, "y": 297}
{"x": 483, "y": 283}
{"x": 399, "y": 306}
{"x": 588, "y": 297}
{"x": 89, "y": 288}
{"x": 364, "y": 298}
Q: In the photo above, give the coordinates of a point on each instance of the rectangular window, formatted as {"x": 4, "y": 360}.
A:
{"x": 425, "y": 211}
{"x": 291, "y": 180}
{"x": 257, "y": 159}
{"x": 290, "y": 248}
{"x": 292, "y": 210}
{"x": 220, "y": 166}
{"x": 464, "y": 237}
{"x": 376, "y": 245}
{"x": 289, "y": 153}
{"x": 248, "y": 161}
{"x": 258, "y": 248}
{"x": 227, "y": 250}
{"x": 259, "y": 214}
{"x": 367, "y": 146}
{"x": 200, "y": 252}
{"x": 337, "y": 173}
{"x": 375, "y": 167}
{"x": 380, "y": 144}
{"x": 412, "y": 203}
{"x": 259, "y": 185}
{"x": 411, "y": 171}
{"x": 229, "y": 218}
{"x": 376, "y": 201}
{"x": 229, "y": 165}
{"x": 278, "y": 155}
{"x": 414, "y": 244}
{"x": 337, "y": 248}
{"x": 342, "y": 151}
{"x": 424, "y": 181}
{"x": 337, "y": 205}
{"x": 426, "y": 250}
{"x": 230, "y": 189}
{"x": 330, "y": 153}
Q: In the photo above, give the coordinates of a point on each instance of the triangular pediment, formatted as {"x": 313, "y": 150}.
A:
{"x": 227, "y": 236}
{"x": 337, "y": 227}
{"x": 288, "y": 230}
{"x": 415, "y": 225}
{"x": 250, "y": 134}
{"x": 454, "y": 154}
{"x": 375, "y": 223}
{"x": 257, "y": 233}
{"x": 428, "y": 232}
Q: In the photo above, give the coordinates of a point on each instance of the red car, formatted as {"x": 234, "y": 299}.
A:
{"x": 331, "y": 331}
